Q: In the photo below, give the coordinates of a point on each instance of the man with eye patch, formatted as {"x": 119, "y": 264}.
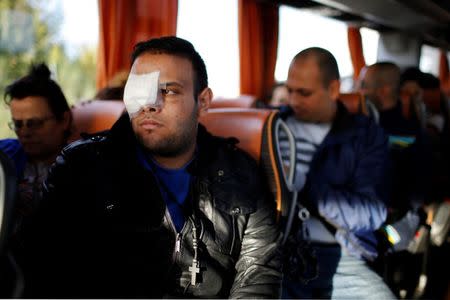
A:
{"x": 339, "y": 173}
{"x": 41, "y": 120}
{"x": 157, "y": 207}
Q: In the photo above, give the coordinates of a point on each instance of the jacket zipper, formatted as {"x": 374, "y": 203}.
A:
{"x": 178, "y": 237}
{"x": 178, "y": 243}
{"x": 234, "y": 214}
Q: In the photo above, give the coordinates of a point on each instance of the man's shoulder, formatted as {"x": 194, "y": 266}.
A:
{"x": 235, "y": 179}
{"x": 222, "y": 150}
{"x": 8, "y": 145}
{"x": 85, "y": 145}
{"x": 364, "y": 126}
{"x": 224, "y": 154}
{"x": 231, "y": 154}
{"x": 14, "y": 150}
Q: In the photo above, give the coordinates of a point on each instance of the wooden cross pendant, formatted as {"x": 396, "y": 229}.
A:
{"x": 194, "y": 271}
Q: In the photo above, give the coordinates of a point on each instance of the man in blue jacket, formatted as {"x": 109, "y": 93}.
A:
{"x": 340, "y": 169}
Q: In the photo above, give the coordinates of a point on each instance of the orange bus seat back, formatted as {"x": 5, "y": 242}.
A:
{"x": 243, "y": 101}
{"x": 94, "y": 116}
{"x": 405, "y": 99}
{"x": 413, "y": 108}
{"x": 432, "y": 100}
{"x": 354, "y": 102}
{"x": 255, "y": 130}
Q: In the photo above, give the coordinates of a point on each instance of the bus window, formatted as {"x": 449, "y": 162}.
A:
{"x": 429, "y": 60}
{"x": 60, "y": 33}
{"x": 370, "y": 40}
{"x": 301, "y": 29}
{"x": 214, "y": 33}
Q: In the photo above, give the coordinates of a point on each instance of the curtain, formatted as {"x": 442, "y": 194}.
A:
{"x": 356, "y": 50}
{"x": 444, "y": 75}
{"x": 258, "y": 42}
{"x": 123, "y": 23}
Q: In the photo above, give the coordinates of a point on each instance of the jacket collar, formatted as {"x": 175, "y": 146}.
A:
{"x": 125, "y": 142}
{"x": 209, "y": 164}
{"x": 341, "y": 128}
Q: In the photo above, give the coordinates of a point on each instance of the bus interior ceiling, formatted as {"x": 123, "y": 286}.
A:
{"x": 404, "y": 25}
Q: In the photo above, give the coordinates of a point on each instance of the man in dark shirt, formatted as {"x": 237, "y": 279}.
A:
{"x": 409, "y": 150}
{"x": 156, "y": 207}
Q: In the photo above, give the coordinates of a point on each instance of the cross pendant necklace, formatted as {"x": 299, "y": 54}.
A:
{"x": 194, "y": 271}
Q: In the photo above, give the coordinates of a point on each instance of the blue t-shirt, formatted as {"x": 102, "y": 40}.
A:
{"x": 174, "y": 185}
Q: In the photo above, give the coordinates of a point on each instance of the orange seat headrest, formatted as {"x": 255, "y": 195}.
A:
{"x": 354, "y": 102}
{"x": 432, "y": 99}
{"x": 247, "y": 125}
{"x": 93, "y": 116}
{"x": 244, "y": 101}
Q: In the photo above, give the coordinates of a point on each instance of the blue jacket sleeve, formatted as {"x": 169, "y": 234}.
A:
{"x": 14, "y": 150}
{"x": 358, "y": 205}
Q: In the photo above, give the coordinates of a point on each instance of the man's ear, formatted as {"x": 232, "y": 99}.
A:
{"x": 204, "y": 101}
{"x": 334, "y": 89}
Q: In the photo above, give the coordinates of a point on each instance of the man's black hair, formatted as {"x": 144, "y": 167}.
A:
{"x": 325, "y": 60}
{"x": 424, "y": 80}
{"x": 179, "y": 47}
{"x": 38, "y": 83}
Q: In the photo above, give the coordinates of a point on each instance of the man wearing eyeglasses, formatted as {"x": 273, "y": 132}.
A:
{"x": 41, "y": 119}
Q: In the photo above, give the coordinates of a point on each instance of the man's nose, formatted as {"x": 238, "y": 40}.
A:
{"x": 24, "y": 132}
{"x": 154, "y": 108}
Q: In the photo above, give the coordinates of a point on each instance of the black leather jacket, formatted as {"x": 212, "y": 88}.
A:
{"x": 104, "y": 230}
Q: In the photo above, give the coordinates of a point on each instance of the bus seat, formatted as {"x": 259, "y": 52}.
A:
{"x": 354, "y": 102}
{"x": 405, "y": 99}
{"x": 95, "y": 115}
{"x": 257, "y": 131}
{"x": 243, "y": 101}
{"x": 432, "y": 100}
{"x": 413, "y": 108}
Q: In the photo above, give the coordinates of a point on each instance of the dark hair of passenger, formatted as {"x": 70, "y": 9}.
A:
{"x": 38, "y": 83}
{"x": 411, "y": 74}
{"x": 325, "y": 60}
{"x": 178, "y": 47}
{"x": 110, "y": 93}
{"x": 424, "y": 80}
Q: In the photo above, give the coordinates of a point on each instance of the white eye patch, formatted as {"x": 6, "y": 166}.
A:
{"x": 141, "y": 91}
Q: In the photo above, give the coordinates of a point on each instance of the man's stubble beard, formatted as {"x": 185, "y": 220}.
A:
{"x": 176, "y": 144}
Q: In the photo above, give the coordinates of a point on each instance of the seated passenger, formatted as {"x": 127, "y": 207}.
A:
{"x": 41, "y": 119}
{"x": 114, "y": 89}
{"x": 339, "y": 172}
{"x": 410, "y": 151}
{"x": 380, "y": 85}
{"x": 409, "y": 82}
{"x": 157, "y": 206}
{"x": 279, "y": 95}
{"x": 414, "y": 82}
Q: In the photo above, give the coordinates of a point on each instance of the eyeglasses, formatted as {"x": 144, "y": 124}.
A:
{"x": 33, "y": 123}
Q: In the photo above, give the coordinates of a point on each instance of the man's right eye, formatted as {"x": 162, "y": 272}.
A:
{"x": 167, "y": 92}
{"x": 305, "y": 93}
